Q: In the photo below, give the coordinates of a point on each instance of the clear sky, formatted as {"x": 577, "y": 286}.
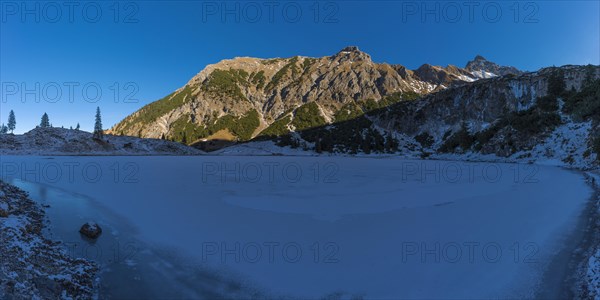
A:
{"x": 55, "y": 56}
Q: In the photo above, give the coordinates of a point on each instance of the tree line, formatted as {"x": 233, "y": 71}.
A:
{"x": 45, "y": 123}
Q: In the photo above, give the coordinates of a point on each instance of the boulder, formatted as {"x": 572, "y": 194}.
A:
{"x": 91, "y": 230}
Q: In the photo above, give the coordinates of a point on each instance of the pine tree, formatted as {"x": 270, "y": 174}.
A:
{"x": 77, "y": 127}
{"x": 388, "y": 143}
{"x": 45, "y": 123}
{"x": 3, "y": 129}
{"x": 366, "y": 146}
{"x": 98, "y": 124}
{"x": 556, "y": 83}
{"x": 12, "y": 122}
{"x": 379, "y": 141}
{"x": 391, "y": 144}
{"x": 318, "y": 148}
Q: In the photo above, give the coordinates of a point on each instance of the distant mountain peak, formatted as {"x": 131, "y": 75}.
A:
{"x": 480, "y": 67}
{"x": 479, "y": 57}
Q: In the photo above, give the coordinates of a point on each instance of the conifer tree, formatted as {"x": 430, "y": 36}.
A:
{"x": 45, "y": 123}
{"x": 12, "y": 122}
{"x": 98, "y": 124}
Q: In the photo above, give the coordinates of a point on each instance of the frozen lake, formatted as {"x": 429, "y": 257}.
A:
{"x": 308, "y": 227}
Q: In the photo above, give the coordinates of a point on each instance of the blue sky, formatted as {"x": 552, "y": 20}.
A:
{"x": 148, "y": 49}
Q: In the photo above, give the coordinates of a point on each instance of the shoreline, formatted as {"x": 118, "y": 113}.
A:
{"x": 32, "y": 265}
{"x": 580, "y": 282}
{"x": 151, "y": 263}
{"x": 573, "y": 257}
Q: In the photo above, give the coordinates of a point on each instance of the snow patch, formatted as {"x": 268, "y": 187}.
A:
{"x": 481, "y": 74}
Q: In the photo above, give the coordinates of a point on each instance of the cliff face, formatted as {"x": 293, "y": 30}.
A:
{"x": 239, "y": 98}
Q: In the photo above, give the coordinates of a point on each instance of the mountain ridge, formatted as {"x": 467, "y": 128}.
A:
{"x": 346, "y": 103}
{"x": 260, "y": 92}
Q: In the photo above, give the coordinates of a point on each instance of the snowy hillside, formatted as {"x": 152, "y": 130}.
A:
{"x": 59, "y": 141}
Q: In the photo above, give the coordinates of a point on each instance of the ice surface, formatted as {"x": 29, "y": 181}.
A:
{"x": 377, "y": 227}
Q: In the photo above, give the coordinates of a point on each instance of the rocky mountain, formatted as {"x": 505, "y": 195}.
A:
{"x": 482, "y": 68}
{"x": 243, "y": 98}
{"x": 60, "y": 141}
{"x": 552, "y": 114}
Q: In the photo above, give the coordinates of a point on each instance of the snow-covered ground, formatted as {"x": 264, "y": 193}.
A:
{"x": 260, "y": 148}
{"x": 308, "y": 227}
{"x": 60, "y": 141}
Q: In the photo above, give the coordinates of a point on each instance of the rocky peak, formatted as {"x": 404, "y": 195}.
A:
{"x": 483, "y": 68}
{"x": 350, "y": 49}
{"x": 427, "y": 68}
{"x": 479, "y": 61}
{"x": 351, "y": 53}
{"x": 479, "y": 58}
